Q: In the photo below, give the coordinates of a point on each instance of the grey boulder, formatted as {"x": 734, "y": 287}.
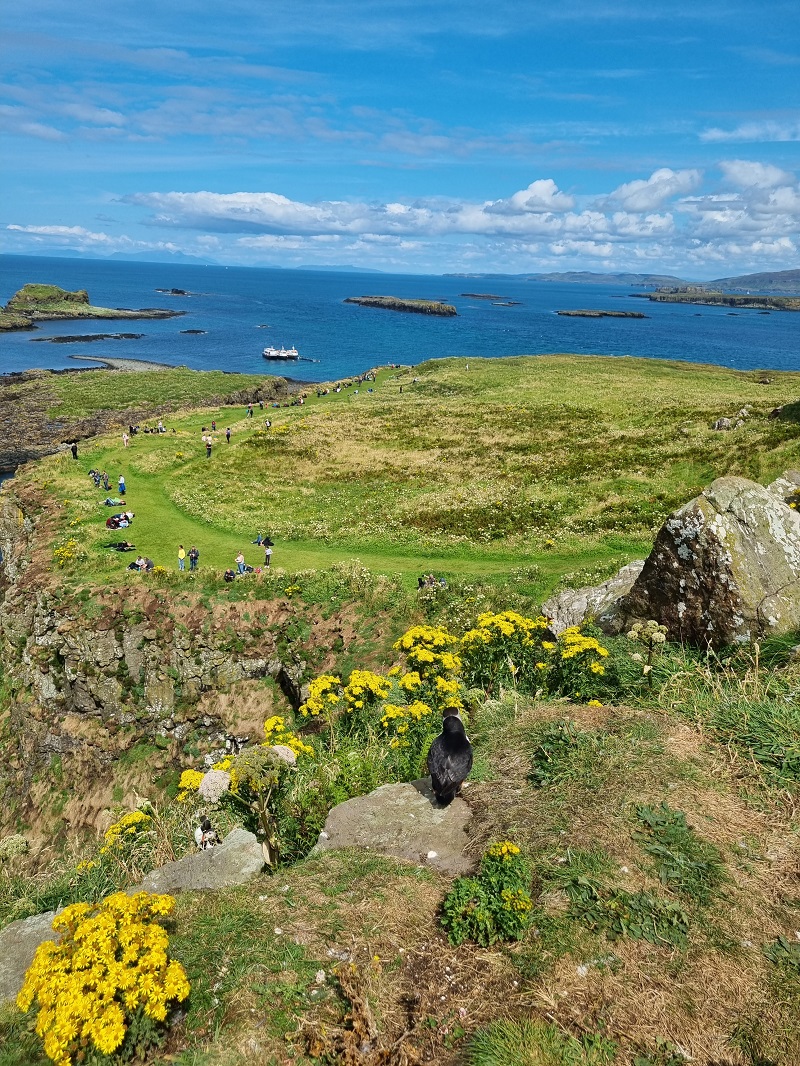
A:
{"x": 234, "y": 862}
{"x": 18, "y": 944}
{"x": 725, "y": 567}
{"x": 404, "y": 822}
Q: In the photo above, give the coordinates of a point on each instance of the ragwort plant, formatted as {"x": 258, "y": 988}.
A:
{"x": 495, "y": 905}
{"x": 108, "y": 984}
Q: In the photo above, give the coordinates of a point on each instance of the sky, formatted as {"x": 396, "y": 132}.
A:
{"x": 405, "y": 135}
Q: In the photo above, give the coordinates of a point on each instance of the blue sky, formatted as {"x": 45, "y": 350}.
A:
{"x": 406, "y": 135}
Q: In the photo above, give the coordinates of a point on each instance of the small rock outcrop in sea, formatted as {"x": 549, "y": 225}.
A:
{"x": 394, "y": 303}
{"x": 402, "y": 821}
{"x": 725, "y": 567}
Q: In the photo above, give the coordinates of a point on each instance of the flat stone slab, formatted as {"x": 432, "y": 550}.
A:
{"x": 405, "y": 822}
{"x": 18, "y": 944}
{"x": 234, "y": 862}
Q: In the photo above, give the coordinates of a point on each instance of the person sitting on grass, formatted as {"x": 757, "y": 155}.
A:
{"x": 229, "y": 575}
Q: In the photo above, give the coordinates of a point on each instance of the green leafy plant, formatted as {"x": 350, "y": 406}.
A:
{"x": 494, "y": 905}
{"x": 684, "y": 862}
{"x": 639, "y": 915}
{"x": 785, "y": 954}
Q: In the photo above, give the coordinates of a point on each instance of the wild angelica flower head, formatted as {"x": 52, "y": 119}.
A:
{"x": 214, "y": 785}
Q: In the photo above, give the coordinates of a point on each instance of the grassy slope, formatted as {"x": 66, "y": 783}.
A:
{"x": 561, "y": 462}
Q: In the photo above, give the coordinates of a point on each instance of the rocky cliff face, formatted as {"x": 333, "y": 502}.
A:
{"x": 111, "y": 692}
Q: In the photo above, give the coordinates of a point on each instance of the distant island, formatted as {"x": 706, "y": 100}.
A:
{"x": 781, "y": 282}
{"x": 602, "y": 314}
{"x": 46, "y": 303}
{"x": 394, "y": 303}
{"x": 696, "y": 295}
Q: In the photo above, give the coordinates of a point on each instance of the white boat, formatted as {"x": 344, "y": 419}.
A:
{"x": 281, "y": 353}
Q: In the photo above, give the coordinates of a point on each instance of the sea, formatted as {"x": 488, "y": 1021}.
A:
{"x": 242, "y": 310}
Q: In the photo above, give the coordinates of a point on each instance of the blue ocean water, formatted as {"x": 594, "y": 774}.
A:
{"x": 243, "y": 310}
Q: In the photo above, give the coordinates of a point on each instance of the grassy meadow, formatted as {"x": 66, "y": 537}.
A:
{"x": 563, "y": 465}
{"x": 655, "y": 810}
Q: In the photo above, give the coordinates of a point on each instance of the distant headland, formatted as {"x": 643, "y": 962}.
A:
{"x": 44, "y": 303}
{"x": 394, "y": 303}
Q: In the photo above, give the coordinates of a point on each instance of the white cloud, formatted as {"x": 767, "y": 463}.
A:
{"x": 649, "y": 194}
{"x": 540, "y": 196}
{"x": 766, "y": 130}
{"x": 745, "y": 174}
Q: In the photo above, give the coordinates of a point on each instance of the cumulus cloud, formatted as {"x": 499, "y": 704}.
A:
{"x": 745, "y": 174}
{"x": 650, "y": 193}
{"x": 540, "y": 196}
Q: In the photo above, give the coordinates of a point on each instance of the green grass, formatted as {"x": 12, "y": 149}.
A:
{"x": 531, "y": 461}
{"x": 535, "y": 1043}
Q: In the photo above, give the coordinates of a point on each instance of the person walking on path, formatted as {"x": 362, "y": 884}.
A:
{"x": 194, "y": 555}
{"x": 267, "y": 554}
{"x": 74, "y": 449}
{"x": 228, "y": 434}
{"x": 181, "y": 557}
{"x": 240, "y": 563}
{"x": 125, "y": 438}
{"x": 122, "y": 484}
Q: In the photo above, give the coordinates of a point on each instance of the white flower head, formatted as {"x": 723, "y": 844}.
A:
{"x": 214, "y": 784}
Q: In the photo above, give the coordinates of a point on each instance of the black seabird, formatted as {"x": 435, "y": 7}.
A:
{"x": 449, "y": 760}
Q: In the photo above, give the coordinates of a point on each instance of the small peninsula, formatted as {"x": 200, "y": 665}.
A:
{"x": 394, "y": 303}
{"x": 46, "y": 303}
{"x": 601, "y": 314}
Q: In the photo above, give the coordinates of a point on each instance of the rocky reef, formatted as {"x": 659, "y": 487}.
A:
{"x": 394, "y": 303}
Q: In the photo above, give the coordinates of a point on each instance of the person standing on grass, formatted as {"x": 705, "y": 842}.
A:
{"x": 181, "y": 557}
{"x": 240, "y": 562}
{"x": 194, "y": 556}
{"x": 125, "y": 438}
{"x": 228, "y": 434}
{"x": 74, "y": 449}
{"x": 122, "y": 484}
{"x": 208, "y": 447}
{"x": 214, "y": 426}
{"x": 249, "y": 410}
{"x": 267, "y": 554}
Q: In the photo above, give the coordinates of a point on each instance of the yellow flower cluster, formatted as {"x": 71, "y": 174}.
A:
{"x": 516, "y": 900}
{"x": 189, "y": 783}
{"x": 426, "y": 650}
{"x": 398, "y": 717}
{"x": 507, "y": 624}
{"x": 275, "y": 732}
{"x": 66, "y": 552}
{"x": 323, "y": 694}
{"x": 128, "y": 826}
{"x": 362, "y": 686}
{"x": 574, "y": 643}
{"x": 410, "y": 682}
{"x": 111, "y": 959}
{"x": 503, "y": 849}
